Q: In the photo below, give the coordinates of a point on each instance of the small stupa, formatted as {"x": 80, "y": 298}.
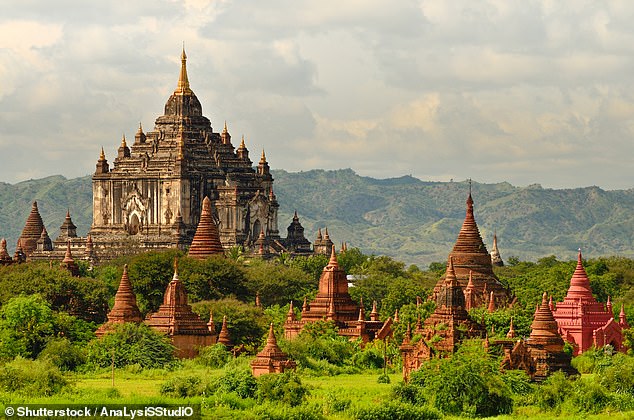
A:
{"x": 271, "y": 359}
{"x": 125, "y": 308}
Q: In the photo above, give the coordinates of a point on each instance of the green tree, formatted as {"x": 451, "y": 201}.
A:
{"x": 131, "y": 344}
{"x": 278, "y": 283}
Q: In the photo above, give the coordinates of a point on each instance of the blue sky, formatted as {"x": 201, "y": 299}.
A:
{"x": 519, "y": 91}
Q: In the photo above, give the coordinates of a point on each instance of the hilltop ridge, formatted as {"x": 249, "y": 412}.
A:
{"x": 412, "y": 220}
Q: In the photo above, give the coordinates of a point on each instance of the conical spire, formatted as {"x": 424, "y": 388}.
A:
{"x": 319, "y": 236}
{"x": 68, "y": 228}
{"x": 32, "y": 230}
{"x": 361, "y": 311}
{"x": 125, "y": 308}
{"x": 469, "y": 239}
{"x": 305, "y": 305}
{"x": 290, "y": 316}
{"x": 183, "y": 81}
{"x": 271, "y": 340}
{"x": 4, "y": 254}
{"x": 223, "y": 337}
{"x": 496, "y": 259}
{"x": 491, "y": 307}
{"x": 544, "y": 330}
{"x": 206, "y": 241}
{"x": 210, "y": 325}
{"x": 68, "y": 257}
{"x": 470, "y": 285}
{"x": 580, "y": 284}
{"x": 326, "y": 236}
{"x": 450, "y": 275}
{"x": 333, "y": 258}
{"x": 374, "y": 315}
{"x": 102, "y": 155}
{"x": 263, "y": 157}
{"x": 396, "y": 318}
{"x": 623, "y": 319}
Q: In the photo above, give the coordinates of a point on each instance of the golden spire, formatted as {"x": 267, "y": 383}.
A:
{"x": 242, "y": 145}
{"x": 123, "y": 143}
{"x": 263, "y": 158}
{"x": 224, "y": 130}
{"x": 183, "y": 81}
{"x": 102, "y": 155}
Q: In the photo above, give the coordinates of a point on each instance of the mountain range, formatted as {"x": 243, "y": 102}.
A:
{"x": 412, "y": 220}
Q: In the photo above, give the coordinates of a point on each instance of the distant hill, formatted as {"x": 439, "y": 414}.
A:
{"x": 409, "y": 219}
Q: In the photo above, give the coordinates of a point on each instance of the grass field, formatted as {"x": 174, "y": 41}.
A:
{"x": 143, "y": 387}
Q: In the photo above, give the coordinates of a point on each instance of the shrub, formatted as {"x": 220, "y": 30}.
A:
{"x": 284, "y": 412}
{"x": 132, "y": 344}
{"x": 588, "y": 397}
{"x": 286, "y": 388}
{"x": 240, "y": 381}
{"x": 183, "y": 386}
{"x": 619, "y": 377}
{"x": 383, "y": 379}
{"x": 31, "y": 378}
{"x": 396, "y": 411}
{"x": 469, "y": 383}
{"x": 215, "y": 356}
{"x": 552, "y": 393}
{"x": 334, "y": 403}
{"x": 63, "y": 354}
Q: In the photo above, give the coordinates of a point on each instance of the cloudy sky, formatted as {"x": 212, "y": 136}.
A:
{"x": 499, "y": 90}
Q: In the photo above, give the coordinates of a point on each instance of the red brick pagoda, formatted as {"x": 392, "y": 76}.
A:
{"x": 444, "y": 329}
{"x": 32, "y": 231}
{"x": 271, "y": 359}
{"x": 176, "y": 318}
{"x": 333, "y": 303}
{"x": 206, "y": 240}
{"x": 543, "y": 351}
{"x": 124, "y": 309}
{"x": 583, "y": 321}
{"x": 472, "y": 263}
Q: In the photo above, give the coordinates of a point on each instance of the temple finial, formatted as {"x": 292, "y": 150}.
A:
{"x": 123, "y": 142}
{"x": 263, "y": 158}
{"x": 183, "y": 80}
{"x": 102, "y": 155}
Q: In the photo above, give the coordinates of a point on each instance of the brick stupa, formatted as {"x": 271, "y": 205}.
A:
{"x": 206, "y": 241}
{"x": 333, "y": 303}
{"x": 470, "y": 255}
{"x": 69, "y": 263}
{"x": 583, "y": 321}
{"x": 542, "y": 353}
{"x": 32, "y": 231}
{"x": 5, "y": 258}
{"x": 271, "y": 359}
{"x": 444, "y": 329}
{"x": 125, "y": 308}
{"x": 176, "y": 319}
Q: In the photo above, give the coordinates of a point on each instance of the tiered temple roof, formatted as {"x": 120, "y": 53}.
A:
{"x": 68, "y": 228}
{"x": 471, "y": 258}
{"x": 445, "y": 328}
{"x": 582, "y": 320}
{"x": 176, "y": 318}
{"x": 125, "y": 308}
{"x": 543, "y": 351}
{"x": 271, "y": 359}
{"x": 333, "y": 302}
{"x": 206, "y": 241}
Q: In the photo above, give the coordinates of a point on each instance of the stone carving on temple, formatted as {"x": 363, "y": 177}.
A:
{"x": 584, "y": 322}
{"x": 175, "y": 318}
{"x": 271, "y": 359}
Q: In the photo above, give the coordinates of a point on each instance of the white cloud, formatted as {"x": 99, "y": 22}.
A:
{"x": 524, "y": 91}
